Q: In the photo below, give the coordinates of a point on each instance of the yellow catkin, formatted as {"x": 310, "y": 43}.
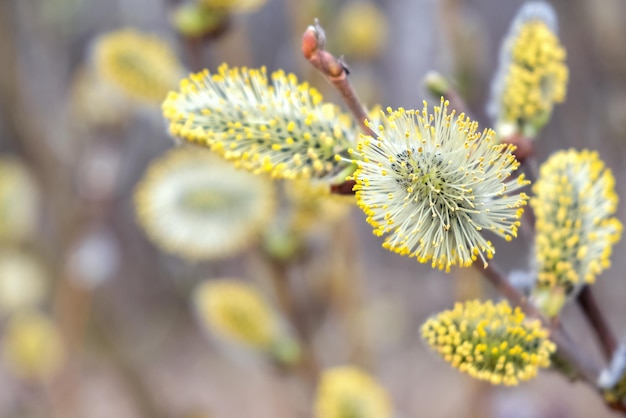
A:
{"x": 233, "y": 5}
{"x": 348, "y": 392}
{"x": 22, "y": 281}
{"x": 431, "y": 182}
{"x": 19, "y": 201}
{"x": 32, "y": 347}
{"x": 235, "y": 311}
{"x": 312, "y": 205}
{"x": 574, "y": 203}
{"x": 193, "y": 204}
{"x": 361, "y": 30}
{"x": 490, "y": 342}
{"x": 617, "y": 394}
{"x": 141, "y": 65}
{"x": 263, "y": 124}
{"x": 533, "y": 75}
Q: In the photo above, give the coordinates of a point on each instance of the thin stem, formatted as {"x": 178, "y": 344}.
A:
{"x": 347, "y": 286}
{"x": 599, "y": 325}
{"x": 284, "y": 295}
{"x": 498, "y": 279}
{"x": 335, "y": 71}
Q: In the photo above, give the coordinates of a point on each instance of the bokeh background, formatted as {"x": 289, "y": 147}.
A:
{"x": 131, "y": 346}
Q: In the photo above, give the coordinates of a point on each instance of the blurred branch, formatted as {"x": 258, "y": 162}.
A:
{"x": 347, "y": 291}
{"x": 194, "y": 52}
{"x": 139, "y": 390}
{"x": 438, "y": 86}
{"x": 280, "y": 282}
{"x": 24, "y": 132}
{"x": 335, "y": 71}
{"x": 498, "y": 279}
{"x": 20, "y": 125}
{"x": 599, "y": 325}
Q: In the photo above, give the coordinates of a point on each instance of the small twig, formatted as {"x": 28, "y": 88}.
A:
{"x": 438, "y": 86}
{"x": 498, "y": 279}
{"x": 284, "y": 294}
{"x": 335, "y": 70}
{"x": 346, "y": 292}
{"x": 601, "y": 328}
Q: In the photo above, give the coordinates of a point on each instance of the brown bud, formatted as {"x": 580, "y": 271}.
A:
{"x": 310, "y": 42}
{"x": 525, "y": 147}
{"x": 344, "y": 188}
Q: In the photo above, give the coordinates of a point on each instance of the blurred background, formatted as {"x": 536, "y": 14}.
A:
{"x": 97, "y": 320}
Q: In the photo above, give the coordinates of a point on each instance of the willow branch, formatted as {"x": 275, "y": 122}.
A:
{"x": 309, "y": 365}
{"x": 138, "y": 387}
{"x": 599, "y": 325}
{"x": 335, "y": 71}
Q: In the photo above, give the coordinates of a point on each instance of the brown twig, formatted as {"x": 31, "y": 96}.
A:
{"x": 498, "y": 279}
{"x": 335, "y": 70}
{"x": 599, "y": 325}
